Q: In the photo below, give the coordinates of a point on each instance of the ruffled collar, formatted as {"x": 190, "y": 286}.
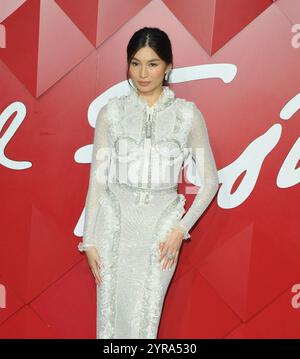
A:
{"x": 165, "y": 99}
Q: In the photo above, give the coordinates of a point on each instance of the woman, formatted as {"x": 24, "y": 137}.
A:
{"x": 134, "y": 223}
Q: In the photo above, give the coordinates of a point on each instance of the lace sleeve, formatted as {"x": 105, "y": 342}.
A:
{"x": 199, "y": 145}
{"x": 98, "y": 178}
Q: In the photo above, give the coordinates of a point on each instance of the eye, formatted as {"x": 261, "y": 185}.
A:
{"x": 134, "y": 63}
{"x": 153, "y": 64}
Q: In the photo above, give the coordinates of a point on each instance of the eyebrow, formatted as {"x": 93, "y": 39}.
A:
{"x": 134, "y": 58}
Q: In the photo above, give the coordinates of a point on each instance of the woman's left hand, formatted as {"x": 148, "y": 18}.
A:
{"x": 171, "y": 245}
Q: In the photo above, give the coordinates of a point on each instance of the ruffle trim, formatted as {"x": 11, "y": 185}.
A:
{"x": 180, "y": 226}
{"x": 149, "y": 305}
{"x": 108, "y": 245}
{"x": 183, "y": 126}
{"x": 83, "y": 246}
{"x": 166, "y": 98}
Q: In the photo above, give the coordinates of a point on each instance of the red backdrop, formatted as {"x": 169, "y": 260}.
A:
{"x": 239, "y": 276}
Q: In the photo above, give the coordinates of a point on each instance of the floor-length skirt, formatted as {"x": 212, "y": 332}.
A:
{"x": 128, "y": 231}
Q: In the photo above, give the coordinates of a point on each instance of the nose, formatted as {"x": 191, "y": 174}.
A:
{"x": 143, "y": 71}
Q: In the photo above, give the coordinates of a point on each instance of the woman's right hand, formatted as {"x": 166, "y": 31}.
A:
{"x": 94, "y": 262}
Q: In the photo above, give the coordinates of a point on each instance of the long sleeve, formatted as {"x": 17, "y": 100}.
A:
{"x": 199, "y": 145}
{"x": 98, "y": 178}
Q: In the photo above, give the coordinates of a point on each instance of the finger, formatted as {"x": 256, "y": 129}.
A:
{"x": 169, "y": 265}
{"x": 161, "y": 249}
{"x": 165, "y": 263}
{"x": 174, "y": 260}
{"x": 163, "y": 255}
{"x": 96, "y": 274}
{"x": 165, "y": 252}
{"x": 171, "y": 262}
{"x": 99, "y": 263}
{"x": 98, "y": 279}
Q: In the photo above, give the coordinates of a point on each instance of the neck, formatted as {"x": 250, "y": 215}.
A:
{"x": 151, "y": 97}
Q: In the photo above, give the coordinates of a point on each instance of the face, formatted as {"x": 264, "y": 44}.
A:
{"x": 148, "y": 67}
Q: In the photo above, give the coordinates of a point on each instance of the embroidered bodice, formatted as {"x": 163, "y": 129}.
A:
{"x": 143, "y": 146}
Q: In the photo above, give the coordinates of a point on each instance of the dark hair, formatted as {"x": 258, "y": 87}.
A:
{"x": 155, "y": 38}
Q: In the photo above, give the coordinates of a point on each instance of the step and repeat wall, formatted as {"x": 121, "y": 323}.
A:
{"x": 239, "y": 274}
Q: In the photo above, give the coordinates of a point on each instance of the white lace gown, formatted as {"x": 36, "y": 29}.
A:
{"x": 132, "y": 204}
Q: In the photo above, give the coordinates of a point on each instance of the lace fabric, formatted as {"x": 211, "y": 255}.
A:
{"x": 101, "y": 156}
{"x": 127, "y": 217}
{"x": 199, "y": 145}
{"x": 189, "y": 131}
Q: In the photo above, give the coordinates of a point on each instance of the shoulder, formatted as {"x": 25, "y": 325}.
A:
{"x": 190, "y": 115}
{"x": 111, "y": 113}
{"x": 184, "y": 107}
{"x": 107, "y": 112}
{"x": 190, "y": 108}
{"x": 117, "y": 101}
{"x": 111, "y": 108}
{"x": 114, "y": 105}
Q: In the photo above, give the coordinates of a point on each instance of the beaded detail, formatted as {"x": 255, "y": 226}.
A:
{"x": 126, "y": 219}
{"x": 149, "y": 146}
{"x": 145, "y": 319}
{"x": 144, "y": 196}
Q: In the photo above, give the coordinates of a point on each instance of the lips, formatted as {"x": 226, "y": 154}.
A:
{"x": 144, "y": 83}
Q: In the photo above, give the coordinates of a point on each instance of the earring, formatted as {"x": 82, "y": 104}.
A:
{"x": 166, "y": 75}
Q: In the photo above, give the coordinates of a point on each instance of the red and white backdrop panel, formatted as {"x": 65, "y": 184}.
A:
{"x": 239, "y": 276}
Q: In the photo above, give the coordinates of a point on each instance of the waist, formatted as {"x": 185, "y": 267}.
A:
{"x": 144, "y": 195}
{"x": 153, "y": 190}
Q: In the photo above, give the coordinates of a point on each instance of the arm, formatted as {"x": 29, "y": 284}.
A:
{"x": 98, "y": 178}
{"x": 198, "y": 143}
